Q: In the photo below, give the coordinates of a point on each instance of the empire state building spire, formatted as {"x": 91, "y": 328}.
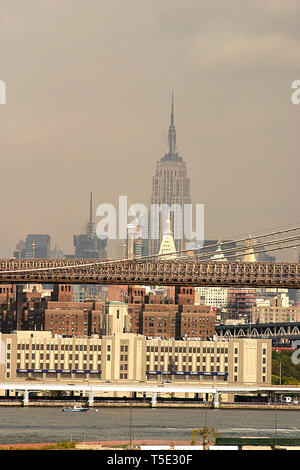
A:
{"x": 172, "y": 154}
{"x": 172, "y": 131}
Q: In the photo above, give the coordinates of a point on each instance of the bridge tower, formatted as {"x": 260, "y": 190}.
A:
{"x": 250, "y": 256}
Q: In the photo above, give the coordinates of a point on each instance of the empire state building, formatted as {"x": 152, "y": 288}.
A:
{"x": 171, "y": 186}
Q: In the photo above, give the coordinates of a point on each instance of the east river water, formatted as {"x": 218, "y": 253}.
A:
{"x": 39, "y": 425}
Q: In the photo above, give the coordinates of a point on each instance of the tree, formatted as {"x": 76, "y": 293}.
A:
{"x": 208, "y": 436}
{"x": 283, "y": 368}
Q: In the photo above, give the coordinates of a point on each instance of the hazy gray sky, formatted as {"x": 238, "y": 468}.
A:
{"x": 88, "y": 102}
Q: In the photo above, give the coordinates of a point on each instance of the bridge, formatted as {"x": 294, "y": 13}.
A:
{"x": 232, "y": 264}
{"x": 90, "y": 390}
{"x": 274, "y": 331}
{"x": 164, "y": 272}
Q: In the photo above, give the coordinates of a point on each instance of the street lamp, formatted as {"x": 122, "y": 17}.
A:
{"x": 130, "y": 425}
{"x": 280, "y": 371}
{"x": 275, "y": 420}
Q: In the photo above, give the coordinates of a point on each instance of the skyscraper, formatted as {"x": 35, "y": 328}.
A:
{"x": 171, "y": 186}
{"x": 88, "y": 245}
{"x": 133, "y": 242}
{"x": 37, "y": 246}
{"x": 132, "y": 246}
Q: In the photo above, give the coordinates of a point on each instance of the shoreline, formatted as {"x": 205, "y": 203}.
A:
{"x": 221, "y": 406}
{"x": 241, "y": 443}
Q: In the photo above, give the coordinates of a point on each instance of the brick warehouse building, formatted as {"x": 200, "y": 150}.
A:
{"x": 197, "y": 321}
{"x": 68, "y": 318}
{"x": 160, "y": 320}
{"x": 154, "y": 314}
{"x": 163, "y": 314}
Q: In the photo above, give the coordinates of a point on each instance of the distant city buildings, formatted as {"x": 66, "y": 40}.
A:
{"x": 88, "y": 245}
{"x": 88, "y": 292}
{"x": 264, "y": 257}
{"x": 35, "y": 246}
{"x": 214, "y": 296}
{"x": 240, "y": 303}
{"x": 20, "y": 249}
{"x": 133, "y": 243}
{"x": 278, "y": 311}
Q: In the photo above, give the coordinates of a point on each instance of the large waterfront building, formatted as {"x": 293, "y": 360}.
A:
{"x": 171, "y": 186}
{"x": 129, "y": 357}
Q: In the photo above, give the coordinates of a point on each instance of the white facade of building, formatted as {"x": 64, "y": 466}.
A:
{"x": 214, "y": 296}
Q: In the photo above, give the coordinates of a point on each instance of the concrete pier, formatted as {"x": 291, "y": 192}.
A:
{"x": 91, "y": 399}
{"x": 154, "y": 400}
{"x": 26, "y": 398}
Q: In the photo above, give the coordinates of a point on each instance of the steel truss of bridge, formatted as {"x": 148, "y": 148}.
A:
{"x": 288, "y": 330}
{"x": 183, "y": 272}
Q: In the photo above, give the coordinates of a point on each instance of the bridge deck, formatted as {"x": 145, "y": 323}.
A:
{"x": 148, "y": 272}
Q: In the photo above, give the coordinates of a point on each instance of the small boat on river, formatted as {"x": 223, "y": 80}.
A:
{"x": 75, "y": 408}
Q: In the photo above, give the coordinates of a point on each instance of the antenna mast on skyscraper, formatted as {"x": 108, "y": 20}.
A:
{"x": 90, "y": 225}
{"x": 172, "y": 131}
